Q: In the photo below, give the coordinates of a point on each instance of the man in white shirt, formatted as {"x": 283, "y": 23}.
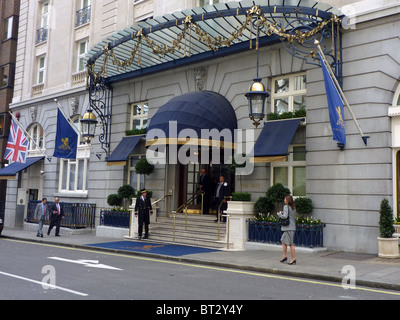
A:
{"x": 57, "y": 214}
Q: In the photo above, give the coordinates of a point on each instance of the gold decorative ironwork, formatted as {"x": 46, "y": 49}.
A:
{"x": 213, "y": 43}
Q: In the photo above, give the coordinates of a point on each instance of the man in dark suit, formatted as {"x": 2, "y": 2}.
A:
{"x": 205, "y": 185}
{"x": 144, "y": 210}
{"x": 221, "y": 192}
{"x": 57, "y": 214}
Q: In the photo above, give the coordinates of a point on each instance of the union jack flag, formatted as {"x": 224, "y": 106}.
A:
{"x": 17, "y": 145}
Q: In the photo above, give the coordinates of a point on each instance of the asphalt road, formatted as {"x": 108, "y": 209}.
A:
{"x": 33, "y": 271}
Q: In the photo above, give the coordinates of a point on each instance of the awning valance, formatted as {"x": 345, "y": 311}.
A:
{"x": 274, "y": 140}
{"x": 203, "y": 33}
{"x": 207, "y": 116}
{"x": 123, "y": 150}
{"x": 10, "y": 172}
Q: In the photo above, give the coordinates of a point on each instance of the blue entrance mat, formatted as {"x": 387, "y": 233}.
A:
{"x": 150, "y": 247}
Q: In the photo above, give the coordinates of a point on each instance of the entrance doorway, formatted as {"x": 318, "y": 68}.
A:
{"x": 189, "y": 179}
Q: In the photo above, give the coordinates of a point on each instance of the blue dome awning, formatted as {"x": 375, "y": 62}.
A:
{"x": 208, "y": 115}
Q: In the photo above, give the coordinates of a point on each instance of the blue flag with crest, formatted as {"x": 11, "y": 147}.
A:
{"x": 335, "y": 105}
{"x": 66, "y": 139}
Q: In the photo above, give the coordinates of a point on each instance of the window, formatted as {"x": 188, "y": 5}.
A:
{"x": 83, "y": 14}
{"x": 37, "y": 134}
{"x": 44, "y": 22}
{"x": 41, "y": 69}
{"x": 2, "y": 124}
{"x": 4, "y": 76}
{"x": 135, "y": 180}
{"x": 139, "y": 116}
{"x": 207, "y": 2}
{"x": 82, "y": 50}
{"x": 289, "y": 93}
{"x": 8, "y": 28}
{"x": 292, "y": 172}
{"x": 42, "y": 33}
{"x": 74, "y": 172}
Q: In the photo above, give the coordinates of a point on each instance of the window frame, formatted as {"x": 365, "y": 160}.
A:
{"x": 81, "y": 56}
{"x": 70, "y": 169}
{"x": 290, "y": 94}
{"x": 210, "y": 2}
{"x": 39, "y": 138}
{"x": 41, "y": 70}
{"x": 290, "y": 164}
{"x": 3, "y": 119}
{"x": 5, "y": 70}
{"x": 141, "y": 117}
{"x": 8, "y": 28}
{"x": 131, "y": 170}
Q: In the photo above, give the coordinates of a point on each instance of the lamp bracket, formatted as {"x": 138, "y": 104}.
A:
{"x": 100, "y": 100}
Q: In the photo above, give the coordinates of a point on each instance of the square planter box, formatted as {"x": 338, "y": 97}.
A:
{"x": 270, "y": 232}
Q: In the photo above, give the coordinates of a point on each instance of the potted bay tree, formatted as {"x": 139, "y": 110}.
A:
{"x": 388, "y": 246}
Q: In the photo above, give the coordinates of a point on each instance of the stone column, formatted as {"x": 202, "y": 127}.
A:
{"x": 239, "y": 212}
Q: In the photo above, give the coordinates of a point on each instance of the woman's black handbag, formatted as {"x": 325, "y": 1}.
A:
{"x": 284, "y": 222}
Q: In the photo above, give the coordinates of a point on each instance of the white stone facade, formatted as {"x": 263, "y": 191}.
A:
{"x": 346, "y": 187}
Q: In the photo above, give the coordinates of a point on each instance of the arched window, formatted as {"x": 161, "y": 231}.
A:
{"x": 37, "y": 134}
{"x": 396, "y": 99}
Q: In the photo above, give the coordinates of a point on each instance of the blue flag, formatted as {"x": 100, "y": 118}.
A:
{"x": 335, "y": 105}
{"x": 66, "y": 139}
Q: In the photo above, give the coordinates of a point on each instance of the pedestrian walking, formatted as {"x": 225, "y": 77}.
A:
{"x": 57, "y": 214}
{"x": 143, "y": 210}
{"x": 42, "y": 214}
{"x": 287, "y": 239}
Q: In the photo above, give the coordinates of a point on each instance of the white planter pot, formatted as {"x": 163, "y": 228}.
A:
{"x": 388, "y": 248}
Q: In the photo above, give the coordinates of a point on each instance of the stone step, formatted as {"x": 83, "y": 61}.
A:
{"x": 201, "y": 230}
{"x": 192, "y": 241}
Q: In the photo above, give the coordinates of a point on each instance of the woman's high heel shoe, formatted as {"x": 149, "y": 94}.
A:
{"x": 293, "y": 262}
{"x": 283, "y": 260}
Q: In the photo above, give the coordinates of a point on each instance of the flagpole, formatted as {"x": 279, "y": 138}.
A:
{"x": 28, "y": 135}
{"x": 73, "y": 125}
{"x": 67, "y": 117}
{"x": 363, "y": 137}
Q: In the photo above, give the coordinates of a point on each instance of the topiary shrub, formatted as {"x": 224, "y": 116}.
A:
{"x": 386, "y": 228}
{"x": 114, "y": 200}
{"x": 263, "y": 205}
{"x": 144, "y": 167}
{"x": 277, "y": 193}
{"x": 303, "y": 205}
{"x": 126, "y": 191}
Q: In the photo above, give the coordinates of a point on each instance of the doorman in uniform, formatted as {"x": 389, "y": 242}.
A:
{"x": 144, "y": 210}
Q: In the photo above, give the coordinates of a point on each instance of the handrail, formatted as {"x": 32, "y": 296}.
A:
{"x": 185, "y": 206}
{"x": 227, "y": 231}
{"x": 219, "y": 215}
{"x": 158, "y": 200}
{"x": 187, "y": 202}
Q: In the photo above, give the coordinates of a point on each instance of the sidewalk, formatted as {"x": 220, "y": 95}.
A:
{"x": 371, "y": 271}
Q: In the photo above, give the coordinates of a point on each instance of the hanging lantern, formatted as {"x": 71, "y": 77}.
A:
{"x": 256, "y": 97}
{"x": 88, "y": 123}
